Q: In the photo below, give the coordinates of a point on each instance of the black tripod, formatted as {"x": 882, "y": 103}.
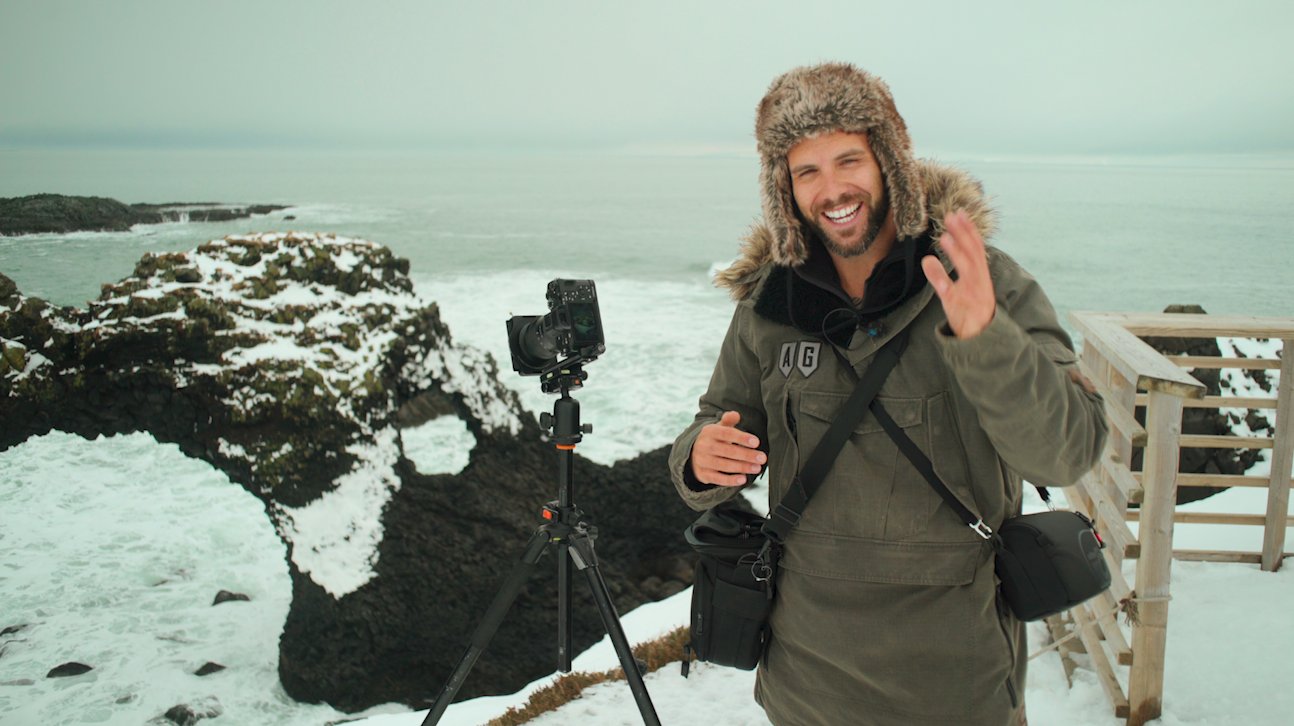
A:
{"x": 574, "y": 537}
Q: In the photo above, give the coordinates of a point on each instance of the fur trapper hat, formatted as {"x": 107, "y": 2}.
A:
{"x": 813, "y": 100}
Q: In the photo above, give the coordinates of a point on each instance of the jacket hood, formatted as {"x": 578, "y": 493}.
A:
{"x": 813, "y": 100}
{"x": 945, "y": 189}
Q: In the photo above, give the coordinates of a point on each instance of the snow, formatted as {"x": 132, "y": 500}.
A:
{"x": 336, "y": 341}
{"x": 335, "y": 538}
{"x": 1229, "y": 642}
{"x": 1228, "y": 657}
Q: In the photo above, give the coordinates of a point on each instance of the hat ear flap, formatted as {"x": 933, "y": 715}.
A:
{"x": 781, "y": 216}
{"x": 902, "y": 182}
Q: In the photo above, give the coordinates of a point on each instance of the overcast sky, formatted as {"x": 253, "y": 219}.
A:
{"x": 1095, "y": 77}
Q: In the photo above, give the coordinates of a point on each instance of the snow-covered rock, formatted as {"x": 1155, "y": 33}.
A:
{"x": 285, "y": 361}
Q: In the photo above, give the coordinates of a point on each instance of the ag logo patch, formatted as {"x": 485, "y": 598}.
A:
{"x": 802, "y": 355}
{"x": 786, "y": 361}
{"x": 807, "y": 360}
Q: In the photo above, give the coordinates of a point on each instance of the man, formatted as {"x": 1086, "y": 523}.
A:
{"x": 887, "y": 609}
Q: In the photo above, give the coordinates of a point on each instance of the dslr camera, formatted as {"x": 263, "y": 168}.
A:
{"x": 567, "y": 337}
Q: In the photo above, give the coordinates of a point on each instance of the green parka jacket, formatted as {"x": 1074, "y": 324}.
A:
{"x": 886, "y": 608}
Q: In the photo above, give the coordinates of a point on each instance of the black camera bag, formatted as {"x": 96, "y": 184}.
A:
{"x": 732, "y": 594}
{"x": 1047, "y": 562}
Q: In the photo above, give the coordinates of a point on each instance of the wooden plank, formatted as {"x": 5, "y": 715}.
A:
{"x": 1259, "y": 520}
{"x": 1116, "y": 528}
{"x": 1215, "y": 480}
{"x": 1221, "y": 402}
{"x": 1118, "y": 644}
{"x": 1101, "y": 663}
{"x": 1121, "y": 418}
{"x": 1154, "y": 568}
{"x": 1186, "y": 325}
{"x": 1208, "y": 361}
{"x": 1110, "y": 520}
{"x": 1134, "y": 360}
{"x": 1118, "y": 472}
{"x": 1058, "y": 627}
{"x": 1225, "y": 442}
{"x": 1278, "y": 490}
{"x": 1081, "y": 501}
{"x": 1124, "y": 394}
{"x": 1119, "y": 587}
{"x": 1101, "y": 372}
{"x": 1252, "y": 558}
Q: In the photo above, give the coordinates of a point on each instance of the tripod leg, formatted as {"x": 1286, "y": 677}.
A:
{"x": 563, "y": 608}
{"x": 585, "y": 559}
{"x": 490, "y": 622}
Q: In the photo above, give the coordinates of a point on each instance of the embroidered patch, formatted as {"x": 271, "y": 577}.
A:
{"x": 786, "y": 361}
{"x": 807, "y": 359}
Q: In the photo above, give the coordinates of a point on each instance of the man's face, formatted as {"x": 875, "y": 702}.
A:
{"x": 839, "y": 190}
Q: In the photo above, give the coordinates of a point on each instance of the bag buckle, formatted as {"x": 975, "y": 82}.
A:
{"x": 982, "y": 529}
{"x": 780, "y": 521}
{"x": 762, "y": 568}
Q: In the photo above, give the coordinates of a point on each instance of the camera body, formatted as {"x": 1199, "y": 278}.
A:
{"x": 569, "y": 335}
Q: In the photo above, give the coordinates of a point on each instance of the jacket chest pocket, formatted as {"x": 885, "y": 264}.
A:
{"x": 871, "y": 491}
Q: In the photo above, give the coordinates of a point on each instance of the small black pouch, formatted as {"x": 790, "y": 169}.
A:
{"x": 1049, "y": 562}
{"x": 733, "y": 591}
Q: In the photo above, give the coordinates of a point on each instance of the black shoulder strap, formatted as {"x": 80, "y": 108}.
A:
{"x": 788, "y": 511}
{"x": 927, "y": 470}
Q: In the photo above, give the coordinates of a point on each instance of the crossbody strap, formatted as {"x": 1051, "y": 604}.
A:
{"x": 787, "y": 512}
{"x": 927, "y": 470}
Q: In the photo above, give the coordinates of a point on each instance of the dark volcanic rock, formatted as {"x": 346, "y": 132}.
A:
{"x": 55, "y": 213}
{"x": 208, "y": 668}
{"x": 188, "y": 714}
{"x": 70, "y": 668}
{"x": 287, "y": 368}
{"x": 1204, "y": 421}
{"x": 226, "y": 596}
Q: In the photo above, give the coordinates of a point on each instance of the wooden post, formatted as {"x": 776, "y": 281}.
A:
{"x": 1278, "y": 490}
{"x": 1154, "y": 567}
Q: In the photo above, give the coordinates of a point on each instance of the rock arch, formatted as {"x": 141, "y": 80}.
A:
{"x": 285, "y": 361}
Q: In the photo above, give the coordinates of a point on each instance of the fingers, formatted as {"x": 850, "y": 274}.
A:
{"x": 1081, "y": 380}
{"x": 965, "y": 248}
{"x": 936, "y": 276}
{"x": 725, "y": 455}
{"x": 969, "y": 302}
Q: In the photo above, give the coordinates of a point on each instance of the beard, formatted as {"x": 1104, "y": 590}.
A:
{"x": 875, "y": 220}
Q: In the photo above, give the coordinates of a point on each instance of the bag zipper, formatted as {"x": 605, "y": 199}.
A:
{"x": 790, "y": 421}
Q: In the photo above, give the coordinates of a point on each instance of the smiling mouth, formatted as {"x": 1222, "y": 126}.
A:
{"x": 844, "y": 215}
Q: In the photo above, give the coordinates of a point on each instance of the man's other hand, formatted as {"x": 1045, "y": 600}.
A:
{"x": 968, "y": 303}
{"x": 725, "y": 455}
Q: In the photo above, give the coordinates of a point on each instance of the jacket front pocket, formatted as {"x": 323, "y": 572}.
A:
{"x": 868, "y": 492}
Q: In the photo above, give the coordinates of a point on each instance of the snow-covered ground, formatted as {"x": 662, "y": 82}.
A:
{"x": 1229, "y": 658}
{"x": 1230, "y": 654}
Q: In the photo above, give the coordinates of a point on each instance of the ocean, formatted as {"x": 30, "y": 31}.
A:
{"x": 112, "y": 550}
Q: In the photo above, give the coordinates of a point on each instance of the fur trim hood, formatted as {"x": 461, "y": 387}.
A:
{"x": 945, "y": 189}
{"x": 813, "y": 100}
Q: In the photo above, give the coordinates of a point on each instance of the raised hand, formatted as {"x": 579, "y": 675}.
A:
{"x": 968, "y": 303}
{"x": 724, "y": 454}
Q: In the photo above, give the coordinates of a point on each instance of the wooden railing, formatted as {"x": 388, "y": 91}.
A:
{"x": 1129, "y": 373}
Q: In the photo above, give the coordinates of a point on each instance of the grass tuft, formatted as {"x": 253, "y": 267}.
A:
{"x": 656, "y": 653}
